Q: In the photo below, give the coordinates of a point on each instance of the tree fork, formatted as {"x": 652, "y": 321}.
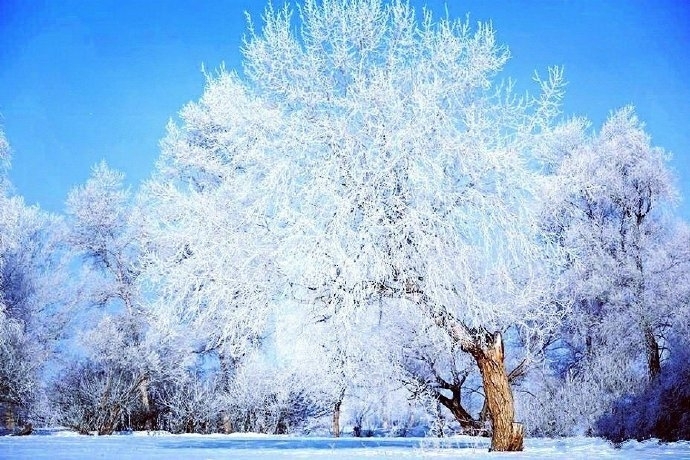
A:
{"x": 459, "y": 413}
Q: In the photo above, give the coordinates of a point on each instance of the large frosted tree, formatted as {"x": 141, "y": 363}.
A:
{"x": 611, "y": 207}
{"x": 402, "y": 173}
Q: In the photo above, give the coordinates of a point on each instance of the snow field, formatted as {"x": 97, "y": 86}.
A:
{"x": 56, "y": 445}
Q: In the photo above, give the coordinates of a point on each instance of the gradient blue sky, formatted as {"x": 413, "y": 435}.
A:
{"x": 86, "y": 80}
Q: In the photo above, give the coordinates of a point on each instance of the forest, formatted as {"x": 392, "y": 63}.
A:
{"x": 367, "y": 231}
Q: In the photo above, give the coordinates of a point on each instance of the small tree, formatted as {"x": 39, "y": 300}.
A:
{"x": 91, "y": 396}
{"x": 103, "y": 232}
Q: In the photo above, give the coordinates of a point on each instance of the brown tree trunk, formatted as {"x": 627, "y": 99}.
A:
{"x": 507, "y": 435}
{"x": 454, "y": 405}
{"x": 459, "y": 413}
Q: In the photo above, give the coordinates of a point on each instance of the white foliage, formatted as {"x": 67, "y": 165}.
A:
{"x": 209, "y": 252}
{"x": 408, "y": 170}
{"x": 30, "y": 323}
{"x": 609, "y": 205}
{"x": 103, "y": 231}
{"x": 5, "y": 155}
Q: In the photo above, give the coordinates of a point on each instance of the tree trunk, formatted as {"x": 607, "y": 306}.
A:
{"x": 459, "y": 413}
{"x": 146, "y": 402}
{"x": 336, "y": 419}
{"x": 8, "y": 416}
{"x": 27, "y": 430}
{"x": 227, "y": 369}
{"x": 227, "y": 423}
{"x": 107, "y": 427}
{"x": 454, "y": 405}
{"x": 653, "y": 354}
{"x": 507, "y": 435}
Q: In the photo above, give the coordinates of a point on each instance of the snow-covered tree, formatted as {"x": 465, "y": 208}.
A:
{"x": 404, "y": 173}
{"x": 209, "y": 284}
{"x": 104, "y": 237}
{"x": 208, "y": 260}
{"x": 30, "y": 322}
{"x": 4, "y": 161}
{"x": 627, "y": 261}
{"x": 103, "y": 232}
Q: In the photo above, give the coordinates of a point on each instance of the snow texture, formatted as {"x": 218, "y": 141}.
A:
{"x": 55, "y": 445}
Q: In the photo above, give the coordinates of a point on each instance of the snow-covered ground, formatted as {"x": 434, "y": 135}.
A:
{"x": 56, "y": 445}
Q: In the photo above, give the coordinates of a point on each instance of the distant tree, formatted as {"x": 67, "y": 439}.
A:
{"x": 661, "y": 410}
{"x": 627, "y": 268}
{"x": 104, "y": 237}
{"x": 4, "y": 161}
{"x": 208, "y": 263}
{"x": 30, "y": 321}
{"x": 103, "y": 232}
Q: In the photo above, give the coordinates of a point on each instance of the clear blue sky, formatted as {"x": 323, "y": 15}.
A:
{"x": 85, "y": 80}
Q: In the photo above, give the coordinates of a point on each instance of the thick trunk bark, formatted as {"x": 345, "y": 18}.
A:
{"x": 507, "y": 435}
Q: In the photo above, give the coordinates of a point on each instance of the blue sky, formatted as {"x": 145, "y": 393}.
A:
{"x": 85, "y": 80}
